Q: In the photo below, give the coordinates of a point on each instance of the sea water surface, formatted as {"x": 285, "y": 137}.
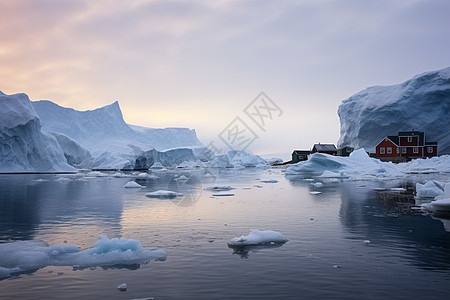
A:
{"x": 353, "y": 240}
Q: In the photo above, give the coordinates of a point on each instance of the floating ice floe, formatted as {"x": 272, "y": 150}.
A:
{"x": 222, "y": 194}
{"x": 218, "y": 188}
{"x": 315, "y": 193}
{"x": 23, "y": 256}
{"x": 133, "y": 184}
{"x": 258, "y": 237}
{"x": 269, "y": 181}
{"x": 428, "y": 190}
{"x": 163, "y": 194}
{"x": 96, "y": 174}
{"x": 122, "y": 287}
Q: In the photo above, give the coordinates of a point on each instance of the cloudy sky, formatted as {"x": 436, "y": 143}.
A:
{"x": 199, "y": 64}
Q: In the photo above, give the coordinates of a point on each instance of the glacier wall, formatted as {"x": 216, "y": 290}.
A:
{"x": 23, "y": 146}
{"x": 421, "y": 103}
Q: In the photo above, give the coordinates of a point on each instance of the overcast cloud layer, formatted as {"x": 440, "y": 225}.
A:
{"x": 198, "y": 64}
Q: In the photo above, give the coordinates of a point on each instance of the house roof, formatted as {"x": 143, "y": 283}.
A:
{"x": 325, "y": 147}
{"x": 302, "y": 152}
{"x": 394, "y": 139}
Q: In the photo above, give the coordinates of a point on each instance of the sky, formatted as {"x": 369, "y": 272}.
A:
{"x": 202, "y": 64}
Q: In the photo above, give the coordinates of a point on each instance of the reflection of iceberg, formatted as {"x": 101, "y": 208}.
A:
{"x": 244, "y": 251}
{"x": 190, "y": 188}
{"x": 23, "y": 256}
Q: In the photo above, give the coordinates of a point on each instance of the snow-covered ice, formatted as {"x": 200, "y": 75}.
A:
{"x": 258, "y": 237}
{"x": 163, "y": 194}
{"x": 30, "y": 255}
{"x": 358, "y": 165}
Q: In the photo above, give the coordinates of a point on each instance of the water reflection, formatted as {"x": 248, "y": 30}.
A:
{"x": 31, "y": 202}
{"x": 385, "y": 218}
{"x": 244, "y": 251}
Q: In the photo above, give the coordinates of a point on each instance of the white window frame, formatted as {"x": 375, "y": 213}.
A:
{"x": 382, "y": 150}
{"x": 415, "y": 149}
{"x": 398, "y": 150}
{"x": 409, "y": 139}
{"x": 389, "y": 150}
{"x": 430, "y": 149}
{"x": 404, "y": 150}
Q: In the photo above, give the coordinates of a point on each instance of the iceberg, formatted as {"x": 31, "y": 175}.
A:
{"x": 112, "y": 143}
{"x": 25, "y": 256}
{"x": 258, "y": 237}
{"x": 24, "y": 147}
{"x": 421, "y": 103}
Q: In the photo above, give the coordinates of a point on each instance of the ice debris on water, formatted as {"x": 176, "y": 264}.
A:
{"x": 222, "y": 194}
{"x": 23, "y": 256}
{"x": 163, "y": 194}
{"x": 122, "y": 287}
{"x": 315, "y": 193}
{"x": 269, "y": 181}
{"x": 133, "y": 184}
{"x": 428, "y": 190}
{"x": 218, "y": 188}
{"x": 258, "y": 237}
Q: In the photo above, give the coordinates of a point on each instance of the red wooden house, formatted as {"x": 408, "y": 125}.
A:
{"x": 407, "y": 144}
{"x": 324, "y": 148}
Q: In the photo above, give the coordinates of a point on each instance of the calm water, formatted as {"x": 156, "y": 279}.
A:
{"x": 326, "y": 257}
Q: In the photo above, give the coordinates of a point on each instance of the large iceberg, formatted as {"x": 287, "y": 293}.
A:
{"x": 24, "y": 147}
{"x": 112, "y": 143}
{"x": 421, "y": 103}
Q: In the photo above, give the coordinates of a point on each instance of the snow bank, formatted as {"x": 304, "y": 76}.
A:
{"x": 24, "y": 146}
{"x": 376, "y": 112}
{"x": 31, "y": 255}
{"x": 357, "y": 165}
{"x": 428, "y": 190}
{"x": 438, "y": 164}
{"x": 258, "y": 237}
{"x": 163, "y": 194}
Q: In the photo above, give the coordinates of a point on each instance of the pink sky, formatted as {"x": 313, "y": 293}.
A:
{"x": 198, "y": 64}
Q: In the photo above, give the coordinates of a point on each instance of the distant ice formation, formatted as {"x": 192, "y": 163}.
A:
{"x": 421, "y": 103}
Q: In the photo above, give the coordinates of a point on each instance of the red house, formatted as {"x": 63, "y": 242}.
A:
{"x": 407, "y": 144}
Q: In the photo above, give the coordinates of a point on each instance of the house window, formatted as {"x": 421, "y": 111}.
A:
{"x": 430, "y": 149}
{"x": 415, "y": 149}
{"x": 398, "y": 151}
{"x": 404, "y": 150}
{"x": 409, "y": 139}
{"x": 389, "y": 150}
{"x": 381, "y": 150}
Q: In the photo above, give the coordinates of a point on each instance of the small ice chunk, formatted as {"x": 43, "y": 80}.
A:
{"x": 142, "y": 175}
{"x": 398, "y": 189}
{"x": 366, "y": 242}
{"x": 182, "y": 177}
{"x": 269, "y": 181}
{"x": 122, "y": 287}
{"x": 222, "y": 194}
{"x": 218, "y": 188}
{"x": 163, "y": 194}
{"x": 132, "y": 184}
{"x": 317, "y": 184}
{"x": 258, "y": 237}
{"x": 315, "y": 193}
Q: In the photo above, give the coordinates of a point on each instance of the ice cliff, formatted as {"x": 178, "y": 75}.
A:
{"x": 421, "y": 103}
{"x": 24, "y": 147}
{"x": 110, "y": 141}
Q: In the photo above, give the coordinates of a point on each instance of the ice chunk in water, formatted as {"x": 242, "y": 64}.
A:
{"x": 163, "y": 194}
{"x": 258, "y": 237}
{"x": 132, "y": 184}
